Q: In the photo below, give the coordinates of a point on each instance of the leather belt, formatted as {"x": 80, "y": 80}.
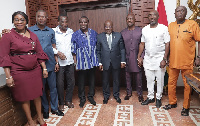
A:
{"x": 30, "y": 53}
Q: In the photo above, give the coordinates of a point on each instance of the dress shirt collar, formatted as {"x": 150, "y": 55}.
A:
{"x": 36, "y": 28}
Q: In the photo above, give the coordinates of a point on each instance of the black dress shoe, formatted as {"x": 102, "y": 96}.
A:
{"x": 118, "y": 100}
{"x": 169, "y": 106}
{"x": 82, "y": 103}
{"x": 127, "y": 97}
{"x": 91, "y": 100}
{"x": 158, "y": 103}
{"x": 45, "y": 115}
{"x": 185, "y": 112}
{"x": 147, "y": 101}
{"x": 105, "y": 101}
{"x": 58, "y": 112}
{"x": 140, "y": 98}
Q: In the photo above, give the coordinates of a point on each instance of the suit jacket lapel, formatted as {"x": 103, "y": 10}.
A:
{"x": 113, "y": 39}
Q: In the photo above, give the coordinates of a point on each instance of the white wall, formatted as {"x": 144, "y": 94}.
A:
{"x": 7, "y": 8}
{"x": 170, "y": 6}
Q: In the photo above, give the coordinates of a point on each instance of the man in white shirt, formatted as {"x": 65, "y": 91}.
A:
{"x": 63, "y": 36}
{"x": 155, "y": 40}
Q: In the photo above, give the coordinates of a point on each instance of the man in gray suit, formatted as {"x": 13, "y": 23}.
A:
{"x": 111, "y": 56}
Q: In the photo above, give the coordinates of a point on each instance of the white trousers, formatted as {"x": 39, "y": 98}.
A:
{"x": 150, "y": 75}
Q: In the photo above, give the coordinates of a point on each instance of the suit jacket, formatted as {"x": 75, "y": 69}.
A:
{"x": 115, "y": 55}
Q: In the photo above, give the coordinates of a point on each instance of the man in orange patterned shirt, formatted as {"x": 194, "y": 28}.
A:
{"x": 183, "y": 33}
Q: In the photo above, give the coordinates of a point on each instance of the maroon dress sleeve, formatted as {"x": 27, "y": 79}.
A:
{"x": 41, "y": 55}
{"x": 5, "y": 45}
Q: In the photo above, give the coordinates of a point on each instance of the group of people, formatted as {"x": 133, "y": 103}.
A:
{"x": 60, "y": 51}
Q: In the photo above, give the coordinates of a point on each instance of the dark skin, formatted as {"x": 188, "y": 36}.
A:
{"x": 41, "y": 19}
{"x": 153, "y": 19}
{"x": 130, "y": 21}
{"x": 180, "y": 14}
{"x": 20, "y": 26}
{"x": 83, "y": 22}
{"x": 63, "y": 24}
{"x": 108, "y": 27}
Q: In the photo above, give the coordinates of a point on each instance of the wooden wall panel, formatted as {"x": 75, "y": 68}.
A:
{"x": 98, "y": 17}
{"x": 141, "y": 9}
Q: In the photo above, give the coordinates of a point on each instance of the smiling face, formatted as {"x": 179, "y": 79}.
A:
{"x": 63, "y": 23}
{"x": 108, "y": 27}
{"x": 180, "y": 13}
{"x": 41, "y": 18}
{"x": 130, "y": 20}
{"x": 19, "y": 22}
{"x": 153, "y": 18}
{"x": 84, "y": 24}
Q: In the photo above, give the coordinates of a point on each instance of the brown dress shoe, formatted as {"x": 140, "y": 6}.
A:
{"x": 69, "y": 104}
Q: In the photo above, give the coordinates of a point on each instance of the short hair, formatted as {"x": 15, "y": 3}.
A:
{"x": 62, "y": 15}
{"x": 41, "y": 11}
{"x": 84, "y": 17}
{"x": 21, "y": 13}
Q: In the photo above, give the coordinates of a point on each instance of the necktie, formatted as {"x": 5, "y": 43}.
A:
{"x": 109, "y": 41}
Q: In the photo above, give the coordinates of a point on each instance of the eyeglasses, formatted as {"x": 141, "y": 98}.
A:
{"x": 106, "y": 27}
{"x": 17, "y": 20}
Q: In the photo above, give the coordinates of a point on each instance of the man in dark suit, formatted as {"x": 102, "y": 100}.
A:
{"x": 111, "y": 56}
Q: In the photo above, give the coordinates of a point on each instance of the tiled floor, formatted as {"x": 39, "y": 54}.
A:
{"x": 128, "y": 113}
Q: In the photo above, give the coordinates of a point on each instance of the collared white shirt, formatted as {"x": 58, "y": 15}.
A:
{"x": 107, "y": 36}
{"x": 63, "y": 44}
{"x": 154, "y": 39}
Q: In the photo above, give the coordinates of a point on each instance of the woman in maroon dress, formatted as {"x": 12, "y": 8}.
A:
{"x": 21, "y": 56}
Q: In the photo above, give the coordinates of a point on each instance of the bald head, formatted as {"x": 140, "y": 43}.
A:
{"x": 155, "y": 12}
{"x": 108, "y": 26}
{"x": 153, "y": 18}
{"x": 180, "y": 14}
{"x": 130, "y": 21}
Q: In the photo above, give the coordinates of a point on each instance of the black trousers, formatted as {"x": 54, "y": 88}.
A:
{"x": 106, "y": 85}
{"x": 68, "y": 73}
{"x": 82, "y": 74}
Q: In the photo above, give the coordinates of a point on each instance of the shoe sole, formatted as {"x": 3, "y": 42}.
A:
{"x": 169, "y": 108}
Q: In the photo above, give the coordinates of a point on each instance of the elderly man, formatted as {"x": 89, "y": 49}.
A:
{"x": 132, "y": 38}
{"x": 155, "y": 39}
{"x": 111, "y": 55}
{"x": 183, "y": 35}
{"x": 84, "y": 52}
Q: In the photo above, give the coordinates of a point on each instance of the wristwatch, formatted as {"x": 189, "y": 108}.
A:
{"x": 198, "y": 56}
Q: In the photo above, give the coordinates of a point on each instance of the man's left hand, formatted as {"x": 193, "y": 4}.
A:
{"x": 197, "y": 62}
{"x": 56, "y": 68}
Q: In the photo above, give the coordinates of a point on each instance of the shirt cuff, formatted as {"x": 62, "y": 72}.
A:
{"x": 55, "y": 51}
{"x": 123, "y": 62}
{"x": 100, "y": 64}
